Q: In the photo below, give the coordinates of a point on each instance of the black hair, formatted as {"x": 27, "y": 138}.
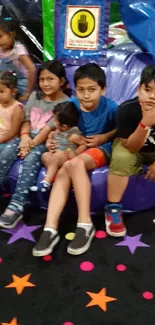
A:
{"x": 91, "y": 71}
{"x": 57, "y": 68}
{"x": 67, "y": 113}
{"x": 147, "y": 75}
{"x": 9, "y": 79}
{"x": 8, "y": 25}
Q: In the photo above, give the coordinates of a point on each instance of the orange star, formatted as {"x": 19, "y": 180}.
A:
{"x": 100, "y": 299}
{"x": 20, "y": 283}
{"x": 13, "y": 322}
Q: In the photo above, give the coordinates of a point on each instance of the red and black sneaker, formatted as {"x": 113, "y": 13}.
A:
{"x": 113, "y": 220}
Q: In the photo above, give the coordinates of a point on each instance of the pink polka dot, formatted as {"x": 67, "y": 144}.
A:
{"x": 100, "y": 234}
{"x": 68, "y": 323}
{"x": 121, "y": 267}
{"x": 6, "y": 195}
{"x": 86, "y": 266}
{"x": 148, "y": 295}
{"x": 47, "y": 258}
{"x": 1, "y": 260}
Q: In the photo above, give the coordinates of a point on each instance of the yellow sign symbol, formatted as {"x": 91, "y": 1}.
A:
{"x": 82, "y": 23}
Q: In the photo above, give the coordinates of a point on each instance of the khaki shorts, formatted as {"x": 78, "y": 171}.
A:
{"x": 125, "y": 163}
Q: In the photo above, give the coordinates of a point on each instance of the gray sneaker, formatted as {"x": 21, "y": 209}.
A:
{"x": 82, "y": 241}
{"x": 10, "y": 222}
{"x": 45, "y": 244}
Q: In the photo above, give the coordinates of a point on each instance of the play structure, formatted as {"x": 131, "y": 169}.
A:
{"x": 78, "y": 33}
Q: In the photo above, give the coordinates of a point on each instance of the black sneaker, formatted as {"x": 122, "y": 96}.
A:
{"x": 45, "y": 244}
{"x": 82, "y": 241}
{"x": 10, "y": 222}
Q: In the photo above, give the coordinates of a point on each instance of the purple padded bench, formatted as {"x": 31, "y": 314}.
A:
{"x": 123, "y": 72}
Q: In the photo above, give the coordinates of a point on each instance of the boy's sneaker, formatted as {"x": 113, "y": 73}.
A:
{"x": 46, "y": 243}
{"x": 113, "y": 220}
{"x": 11, "y": 221}
{"x": 82, "y": 241}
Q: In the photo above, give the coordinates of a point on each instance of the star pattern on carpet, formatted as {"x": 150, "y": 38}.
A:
{"x": 21, "y": 231}
{"x": 100, "y": 299}
{"x": 132, "y": 242}
{"x": 20, "y": 283}
{"x": 13, "y": 322}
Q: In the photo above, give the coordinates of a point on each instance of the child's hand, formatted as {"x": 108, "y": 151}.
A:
{"x": 71, "y": 154}
{"x": 23, "y": 153}
{"x": 33, "y": 144}
{"x": 94, "y": 140}
{"x": 25, "y": 142}
{"x": 148, "y": 115}
{"x": 24, "y": 146}
{"x": 51, "y": 145}
{"x": 151, "y": 172}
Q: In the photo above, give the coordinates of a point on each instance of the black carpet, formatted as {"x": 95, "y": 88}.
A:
{"x": 60, "y": 296}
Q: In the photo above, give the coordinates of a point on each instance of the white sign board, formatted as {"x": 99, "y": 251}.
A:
{"x": 82, "y": 27}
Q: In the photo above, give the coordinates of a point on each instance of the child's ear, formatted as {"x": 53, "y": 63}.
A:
{"x": 62, "y": 81}
{"x": 138, "y": 91}
{"x": 14, "y": 92}
{"x": 65, "y": 127}
{"x": 13, "y": 34}
{"x": 103, "y": 90}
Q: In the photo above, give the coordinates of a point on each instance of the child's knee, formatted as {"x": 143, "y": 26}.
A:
{"x": 45, "y": 157}
{"x": 76, "y": 163}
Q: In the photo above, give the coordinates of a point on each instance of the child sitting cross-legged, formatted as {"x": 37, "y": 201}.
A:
{"x": 69, "y": 142}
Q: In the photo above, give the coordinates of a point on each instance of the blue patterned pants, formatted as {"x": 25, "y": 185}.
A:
{"x": 8, "y": 155}
{"x": 27, "y": 177}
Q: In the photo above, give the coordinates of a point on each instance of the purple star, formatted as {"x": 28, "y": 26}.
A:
{"x": 21, "y": 231}
{"x": 132, "y": 242}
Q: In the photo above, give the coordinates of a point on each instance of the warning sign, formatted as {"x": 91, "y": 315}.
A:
{"x": 82, "y": 27}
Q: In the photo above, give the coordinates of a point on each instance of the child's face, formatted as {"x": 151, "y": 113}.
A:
{"x": 6, "y": 94}
{"x": 88, "y": 92}
{"x": 146, "y": 96}
{"x": 6, "y": 40}
{"x": 49, "y": 83}
{"x": 58, "y": 126}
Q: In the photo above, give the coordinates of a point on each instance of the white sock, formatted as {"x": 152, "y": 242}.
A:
{"x": 52, "y": 230}
{"x": 86, "y": 226}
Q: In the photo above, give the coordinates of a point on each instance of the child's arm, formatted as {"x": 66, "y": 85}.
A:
{"x": 48, "y": 142}
{"x": 25, "y": 140}
{"x": 80, "y": 141}
{"x": 41, "y": 136}
{"x": 28, "y": 64}
{"x": 77, "y": 139}
{"x": 16, "y": 121}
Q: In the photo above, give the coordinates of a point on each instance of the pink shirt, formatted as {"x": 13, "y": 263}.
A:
{"x": 6, "y": 117}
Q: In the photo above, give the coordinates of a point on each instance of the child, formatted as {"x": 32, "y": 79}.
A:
{"x": 14, "y": 56}
{"x": 97, "y": 123}
{"x": 134, "y": 147}
{"x": 68, "y": 138}
{"x": 11, "y": 117}
{"x": 39, "y": 109}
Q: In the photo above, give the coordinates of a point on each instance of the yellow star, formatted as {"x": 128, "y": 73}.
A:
{"x": 20, "y": 284}
{"x": 100, "y": 299}
{"x": 13, "y": 322}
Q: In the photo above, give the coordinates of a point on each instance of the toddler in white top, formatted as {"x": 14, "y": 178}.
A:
{"x": 14, "y": 56}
